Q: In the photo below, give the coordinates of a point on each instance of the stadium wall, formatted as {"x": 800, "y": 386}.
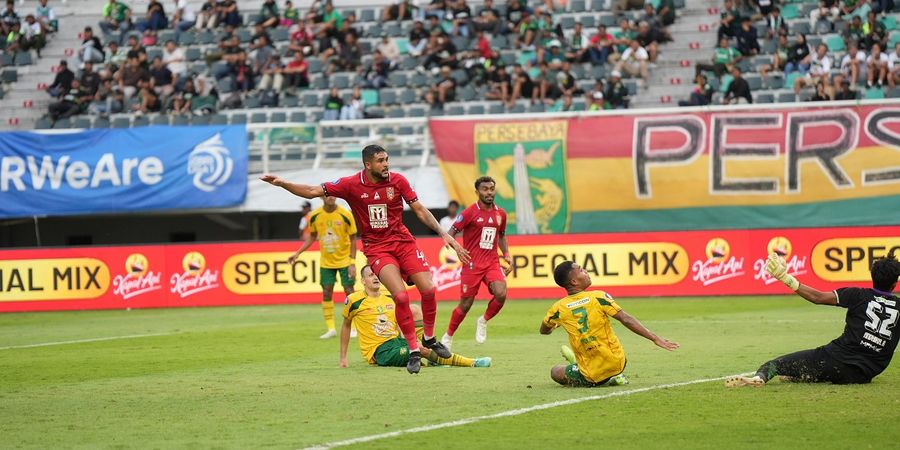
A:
{"x": 696, "y": 263}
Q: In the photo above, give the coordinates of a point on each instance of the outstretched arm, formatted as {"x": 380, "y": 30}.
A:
{"x": 300, "y": 190}
{"x": 638, "y": 328}
{"x": 776, "y": 267}
{"x": 428, "y": 219}
{"x": 345, "y": 341}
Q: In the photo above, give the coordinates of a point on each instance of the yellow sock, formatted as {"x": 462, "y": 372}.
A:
{"x": 328, "y": 313}
{"x": 453, "y": 360}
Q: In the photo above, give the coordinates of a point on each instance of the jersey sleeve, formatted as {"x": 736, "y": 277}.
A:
{"x": 462, "y": 219}
{"x": 339, "y": 188}
{"x": 502, "y": 229}
{"x": 351, "y": 304}
{"x": 552, "y": 317}
{"x": 607, "y": 303}
{"x": 849, "y": 297}
{"x": 406, "y": 190}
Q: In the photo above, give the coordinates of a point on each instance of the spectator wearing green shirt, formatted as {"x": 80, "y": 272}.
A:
{"x": 730, "y": 20}
{"x": 268, "y": 14}
{"x": 116, "y": 17}
{"x": 666, "y": 12}
{"x": 724, "y": 58}
{"x": 332, "y": 21}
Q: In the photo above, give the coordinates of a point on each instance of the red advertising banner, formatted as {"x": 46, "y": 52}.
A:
{"x": 626, "y": 264}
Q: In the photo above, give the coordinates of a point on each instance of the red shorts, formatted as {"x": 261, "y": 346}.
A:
{"x": 471, "y": 279}
{"x": 405, "y": 255}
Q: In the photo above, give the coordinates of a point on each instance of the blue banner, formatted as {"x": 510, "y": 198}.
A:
{"x": 122, "y": 170}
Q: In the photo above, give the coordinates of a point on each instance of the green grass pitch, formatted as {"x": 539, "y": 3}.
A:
{"x": 259, "y": 377}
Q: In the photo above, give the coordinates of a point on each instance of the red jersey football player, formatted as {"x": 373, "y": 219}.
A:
{"x": 376, "y": 197}
{"x": 483, "y": 226}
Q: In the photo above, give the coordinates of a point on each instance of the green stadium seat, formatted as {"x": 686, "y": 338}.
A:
{"x": 835, "y": 43}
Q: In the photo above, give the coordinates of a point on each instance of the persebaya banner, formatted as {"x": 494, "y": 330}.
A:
{"x": 695, "y": 263}
{"x": 121, "y": 170}
{"x": 811, "y": 166}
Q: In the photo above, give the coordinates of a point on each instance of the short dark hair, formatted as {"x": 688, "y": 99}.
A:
{"x": 562, "y": 273}
{"x": 885, "y": 272}
{"x": 484, "y": 179}
{"x": 369, "y": 152}
{"x": 453, "y": 203}
{"x": 363, "y": 269}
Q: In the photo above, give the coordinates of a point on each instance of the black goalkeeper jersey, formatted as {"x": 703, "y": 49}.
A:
{"x": 870, "y": 336}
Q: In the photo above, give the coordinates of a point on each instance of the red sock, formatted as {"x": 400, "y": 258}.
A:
{"x": 429, "y": 311}
{"x": 455, "y": 319}
{"x": 405, "y": 320}
{"x": 493, "y": 308}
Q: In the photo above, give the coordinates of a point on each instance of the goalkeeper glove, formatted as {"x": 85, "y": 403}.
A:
{"x": 778, "y": 269}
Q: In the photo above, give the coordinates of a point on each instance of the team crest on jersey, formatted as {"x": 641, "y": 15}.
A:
{"x": 498, "y": 220}
{"x": 390, "y": 193}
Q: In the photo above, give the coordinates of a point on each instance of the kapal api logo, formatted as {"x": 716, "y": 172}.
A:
{"x": 448, "y": 274}
{"x": 195, "y": 277}
{"x": 210, "y": 163}
{"x": 138, "y": 278}
{"x": 783, "y": 248}
{"x": 719, "y": 264}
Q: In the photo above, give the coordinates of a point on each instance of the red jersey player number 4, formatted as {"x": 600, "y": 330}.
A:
{"x": 376, "y": 197}
{"x": 483, "y": 226}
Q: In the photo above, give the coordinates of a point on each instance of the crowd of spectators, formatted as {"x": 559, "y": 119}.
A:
{"x": 855, "y": 52}
{"x": 24, "y": 34}
{"x": 448, "y": 41}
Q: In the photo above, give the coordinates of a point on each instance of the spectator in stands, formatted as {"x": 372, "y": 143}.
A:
{"x": 877, "y": 63}
{"x": 418, "y": 38}
{"x": 439, "y": 52}
{"x": 180, "y": 103}
{"x": 15, "y": 41}
{"x": 827, "y": 12}
{"x": 543, "y": 82}
{"x": 148, "y": 101}
{"x": 333, "y": 105}
{"x": 355, "y": 108}
{"x": 291, "y": 16}
{"x": 856, "y": 7}
{"x": 666, "y": 11}
{"x": 162, "y": 80}
{"x": 563, "y": 104}
{"x": 325, "y": 46}
{"x": 136, "y": 49}
{"x": 296, "y": 72}
{"x": 9, "y": 17}
{"x": 845, "y": 93}
{"x": 601, "y": 47}
{"x": 819, "y": 70}
{"x": 263, "y": 53}
{"x": 107, "y": 100}
{"x": 445, "y": 87}
{"x": 620, "y": 6}
{"x": 894, "y": 65}
{"x": 34, "y": 38}
{"x": 302, "y": 39}
{"x": 487, "y": 19}
{"x": 747, "y": 42}
{"x": 798, "y": 58}
{"x": 855, "y": 32}
{"x": 437, "y": 8}
{"x": 173, "y": 58}
{"x": 389, "y": 50}
{"x": 62, "y": 82}
{"x": 228, "y": 13}
{"x": 821, "y": 94}
{"x": 526, "y": 32}
{"x": 779, "y": 60}
{"x": 730, "y": 20}
{"x": 376, "y": 75}
{"x": 272, "y": 74}
{"x": 515, "y": 11}
{"x": 206, "y": 100}
{"x": 565, "y": 82}
{"x": 738, "y": 91}
{"x": 447, "y": 221}
{"x": 616, "y": 94}
{"x": 594, "y": 100}
{"x": 349, "y": 57}
{"x": 155, "y": 19}
{"x": 649, "y": 38}
{"x": 399, "y": 11}
{"x": 462, "y": 16}
{"x": 724, "y": 58}
{"x": 498, "y": 82}
{"x": 68, "y": 105}
{"x": 701, "y": 95}
{"x": 332, "y": 21}
{"x": 47, "y": 17}
{"x": 555, "y": 57}
{"x": 775, "y": 24}
{"x": 91, "y": 48}
{"x": 184, "y": 18}
{"x": 241, "y": 73}
{"x": 875, "y": 31}
{"x": 579, "y": 45}
{"x": 853, "y": 67}
{"x": 90, "y": 80}
{"x": 269, "y": 17}
{"x": 522, "y": 86}
{"x": 130, "y": 76}
{"x": 208, "y": 16}
{"x": 115, "y": 57}
{"x": 116, "y": 17}
{"x": 635, "y": 61}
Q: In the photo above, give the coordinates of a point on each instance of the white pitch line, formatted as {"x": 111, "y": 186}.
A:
{"x": 81, "y": 341}
{"x": 510, "y": 413}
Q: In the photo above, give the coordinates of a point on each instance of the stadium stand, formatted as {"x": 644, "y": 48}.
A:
{"x": 257, "y": 62}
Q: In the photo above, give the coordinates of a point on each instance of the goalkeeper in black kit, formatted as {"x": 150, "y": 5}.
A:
{"x": 870, "y": 335}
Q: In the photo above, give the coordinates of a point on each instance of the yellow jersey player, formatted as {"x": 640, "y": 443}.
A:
{"x": 335, "y": 230}
{"x": 380, "y": 342}
{"x": 596, "y": 357}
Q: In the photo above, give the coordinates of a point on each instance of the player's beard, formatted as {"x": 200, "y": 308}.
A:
{"x": 488, "y": 201}
{"x": 383, "y": 175}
